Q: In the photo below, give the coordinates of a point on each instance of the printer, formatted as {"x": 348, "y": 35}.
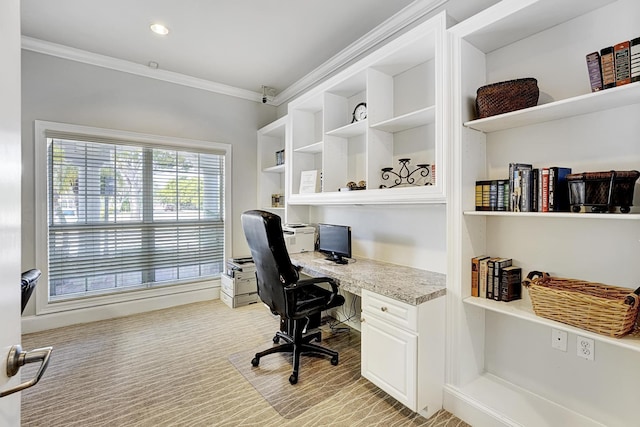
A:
{"x": 299, "y": 238}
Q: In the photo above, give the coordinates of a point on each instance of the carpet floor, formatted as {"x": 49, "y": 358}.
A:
{"x": 190, "y": 366}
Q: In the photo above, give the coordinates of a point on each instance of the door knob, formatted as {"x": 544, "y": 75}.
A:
{"x": 18, "y": 358}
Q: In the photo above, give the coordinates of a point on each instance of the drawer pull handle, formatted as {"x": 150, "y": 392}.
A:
{"x": 383, "y": 309}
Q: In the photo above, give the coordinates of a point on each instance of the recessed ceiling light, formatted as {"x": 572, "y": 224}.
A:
{"x": 159, "y": 29}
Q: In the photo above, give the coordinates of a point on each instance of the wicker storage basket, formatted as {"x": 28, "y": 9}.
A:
{"x": 607, "y": 310}
{"x": 503, "y": 97}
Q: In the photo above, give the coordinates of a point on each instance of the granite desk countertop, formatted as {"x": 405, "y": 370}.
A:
{"x": 410, "y": 285}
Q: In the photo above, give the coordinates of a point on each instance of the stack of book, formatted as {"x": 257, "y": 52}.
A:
{"x": 614, "y": 65}
{"x": 527, "y": 189}
{"x": 495, "y": 278}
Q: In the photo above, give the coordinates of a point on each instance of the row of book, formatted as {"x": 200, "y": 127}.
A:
{"x": 495, "y": 278}
{"x": 614, "y": 65}
{"x": 527, "y": 189}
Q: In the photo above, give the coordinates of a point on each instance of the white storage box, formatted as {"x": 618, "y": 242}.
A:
{"x": 234, "y": 286}
{"x": 240, "y": 300}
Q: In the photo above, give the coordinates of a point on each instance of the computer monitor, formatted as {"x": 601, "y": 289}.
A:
{"x": 335, "y": 241}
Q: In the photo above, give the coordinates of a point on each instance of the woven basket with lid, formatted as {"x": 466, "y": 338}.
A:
{"x": 504, "y": 97}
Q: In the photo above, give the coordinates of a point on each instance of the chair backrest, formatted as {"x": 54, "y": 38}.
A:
{"x": 274, "y": 271}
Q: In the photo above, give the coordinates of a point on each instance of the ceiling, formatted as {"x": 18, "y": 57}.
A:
{"x": 241, "y": 44}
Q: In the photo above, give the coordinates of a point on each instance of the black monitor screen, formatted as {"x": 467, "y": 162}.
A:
{"x": 335, "y": 241}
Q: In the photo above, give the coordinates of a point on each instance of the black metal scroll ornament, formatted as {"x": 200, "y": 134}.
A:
{"x": 404, "y": 176}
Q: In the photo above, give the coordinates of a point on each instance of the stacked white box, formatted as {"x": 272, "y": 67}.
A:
{"x": 238, "y": 285}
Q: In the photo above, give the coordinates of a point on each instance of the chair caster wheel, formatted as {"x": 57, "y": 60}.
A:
{"x": 334, "y": 360}
{"x": 255, "y": 361}
{"x": 276, "y": 339}
{"x": 293, "y": 379}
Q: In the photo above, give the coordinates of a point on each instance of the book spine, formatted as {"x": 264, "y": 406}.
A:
{"x": 608, "y": 67}
{"x": 545, "y": 190}
{"x": 558, "y": 189}
{"x": 535, "y": 184}
{"x": 499, "y": 265}
{"x": 552, "y": 178}
{"x": 517, "y": 190}
{"x": 595, "y": 71}
{"x": 510, "y": 204}
{"x": 475, "y": 275}
{"x": 493, "y": 195}
{"x": 511, "y": 284}
{"x": 490, "y": 269}
{"x": 622, "y": 63}
{"x": 479, "y": 195}
{"x": 486, "y": 195}
{"x": 502, "y": 200}
{"x": 525, "y": 199}
{"x": 482, "y": 277}
{"x": 634, "y": 50}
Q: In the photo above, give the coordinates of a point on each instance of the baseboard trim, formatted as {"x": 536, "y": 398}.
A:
{"x": 44, "y": 322}
{"x": 471, "y": 411}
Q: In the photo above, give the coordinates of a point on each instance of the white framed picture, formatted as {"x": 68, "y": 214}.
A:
{"x": 309, "y": 182}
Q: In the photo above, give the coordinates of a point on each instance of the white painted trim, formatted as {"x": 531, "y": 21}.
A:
{"x": 78, "y": 55}
{"x": 32, "y": 324}
{"x": 392, "y": 26}
{"x": 373, "y": 39}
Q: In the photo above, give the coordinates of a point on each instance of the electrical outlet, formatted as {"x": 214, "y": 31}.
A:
{"x": 585, "y": 348}
{"x": 559, "y": 339}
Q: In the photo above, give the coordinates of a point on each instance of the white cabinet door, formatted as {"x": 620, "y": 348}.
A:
{"x": 389, "y": 358}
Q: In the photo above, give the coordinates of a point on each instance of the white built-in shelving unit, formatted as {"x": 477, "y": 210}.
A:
{"x": 271, "y": 176}
{"x": 402, "y": 84}
{"x": 502, "y": 369}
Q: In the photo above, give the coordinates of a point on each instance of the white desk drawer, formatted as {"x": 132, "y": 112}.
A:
{"x": 235, "y": 287}
{"x": 389, "y": 310}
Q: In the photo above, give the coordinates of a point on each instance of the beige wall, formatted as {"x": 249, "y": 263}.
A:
{"x": 60, "y": 90}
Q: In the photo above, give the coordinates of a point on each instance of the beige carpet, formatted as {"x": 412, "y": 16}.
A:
{"x": 172, "y": 368}
{"x": 317, "y": 379}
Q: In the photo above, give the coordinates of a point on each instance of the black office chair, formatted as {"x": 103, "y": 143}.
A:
{"x": 27, "y": 284}
{"x": 279, "y": 287}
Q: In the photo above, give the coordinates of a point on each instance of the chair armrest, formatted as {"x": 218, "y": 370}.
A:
{"x": 313, "y": 281}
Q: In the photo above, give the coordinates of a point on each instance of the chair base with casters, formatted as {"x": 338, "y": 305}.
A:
{"x": 298, "y": 344}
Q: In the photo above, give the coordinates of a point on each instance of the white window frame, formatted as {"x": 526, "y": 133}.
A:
{"x": 43, "y": 305}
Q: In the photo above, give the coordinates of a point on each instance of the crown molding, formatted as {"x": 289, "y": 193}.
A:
{"x": 393, "y": 26}
{"x": 78, "y": 55}
{"x": 383, "y": 32}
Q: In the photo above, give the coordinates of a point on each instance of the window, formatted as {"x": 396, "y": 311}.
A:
{"x": 129, "y": 212}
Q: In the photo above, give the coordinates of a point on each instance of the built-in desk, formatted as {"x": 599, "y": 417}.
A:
{"x": 410, "y": 285}
{"x": 402, "y": 325}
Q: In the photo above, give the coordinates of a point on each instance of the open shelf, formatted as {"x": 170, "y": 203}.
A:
{"x": 316, "y": 147}
{"x": 522, "y": 309}
{"x": 584, "y": 104}
{"x": 576, "y": 216}
{"x": 507, "y": 22}
{"x": 350, "y": 130}
{"x": 516, "y": 405}
{"x": 274, "y": 169}
{"x": 408, "y": 121}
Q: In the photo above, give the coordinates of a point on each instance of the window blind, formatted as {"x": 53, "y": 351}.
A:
{"x": 125, "y": 215}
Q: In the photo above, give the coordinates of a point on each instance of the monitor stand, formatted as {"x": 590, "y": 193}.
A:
{"x": 337, "y": 259}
